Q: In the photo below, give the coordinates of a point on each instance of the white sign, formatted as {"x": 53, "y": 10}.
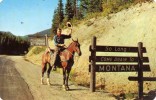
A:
{"x": 37, "y": 41}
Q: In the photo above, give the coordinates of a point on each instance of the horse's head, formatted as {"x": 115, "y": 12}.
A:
{"x": 76, "y": 47}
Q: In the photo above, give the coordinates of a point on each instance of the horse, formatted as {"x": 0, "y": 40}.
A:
{"x": 46, "y": 57}
{"x": 66, "y": 62}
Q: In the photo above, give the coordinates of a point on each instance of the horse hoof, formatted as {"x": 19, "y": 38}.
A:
{"x": 48, "y": 81}
{"x": 41, "y": 81}
{"x": 64, "y": 87}
{"x": 67, "y": 88}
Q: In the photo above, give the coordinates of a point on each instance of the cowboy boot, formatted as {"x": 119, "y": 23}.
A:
{"x": 55, "y": 63}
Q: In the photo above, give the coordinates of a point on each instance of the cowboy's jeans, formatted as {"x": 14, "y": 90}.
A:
{"x": 54, "y": 58}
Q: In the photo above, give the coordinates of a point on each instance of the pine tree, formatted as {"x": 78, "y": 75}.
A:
{"x": 10, "y": 44}
{"x": 69, "y": 10}
{"x": 95, "y": 6}
{"x": 55, "y": 21}
{"x": 60, "y": 11}
{"x": 83, "y": 7}
{"x": 74, "y": 7}
{"x": 91, "y": 6}
{"x": 57, "y": 17}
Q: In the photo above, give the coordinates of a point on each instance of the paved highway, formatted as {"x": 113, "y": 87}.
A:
{"x": 12, "y": 85}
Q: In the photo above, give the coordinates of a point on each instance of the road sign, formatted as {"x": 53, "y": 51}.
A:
{"x": 37, "y": 40}
{"x": 133, "y": 78}
{"x": 119, "y": 68}
{"x": 117, "y": 49}
{"x": 118, "y": 59}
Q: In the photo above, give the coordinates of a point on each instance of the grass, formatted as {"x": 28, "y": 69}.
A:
{"x": 89, "y": 23}
{"x": 38, "y": 50}
{"x": 128, "y": 96}
{"x": 107, "y": 10}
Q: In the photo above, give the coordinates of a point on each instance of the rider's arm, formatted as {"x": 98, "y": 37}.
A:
{"x": 67, "y": 36}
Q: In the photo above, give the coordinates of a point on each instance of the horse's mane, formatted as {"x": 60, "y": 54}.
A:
{"x": 70, "y": 44}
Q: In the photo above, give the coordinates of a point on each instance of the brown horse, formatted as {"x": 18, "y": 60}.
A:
{"x": 66, "y": 62}
{"x": 46, "y": 60}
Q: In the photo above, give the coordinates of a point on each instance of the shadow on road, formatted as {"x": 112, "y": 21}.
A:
{"x": 77, "y": 89}
{"x": 150, "y": 95}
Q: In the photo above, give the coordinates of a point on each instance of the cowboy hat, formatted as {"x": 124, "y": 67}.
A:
{"x": 69, "y": 24}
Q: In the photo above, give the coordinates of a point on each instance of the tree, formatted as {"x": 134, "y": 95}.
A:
{"x": 69, "y": 10}
{"x": 91, "y": 6}
{"x": 83, "y": 9}
{"x": 74, "y": 7}
{"x": 55, "y": 21}
{"x": 57, "y": 17}
{"x": 60, "y": 11}
{"x": 10, "y": 44}
{"x": 95, "y": 6}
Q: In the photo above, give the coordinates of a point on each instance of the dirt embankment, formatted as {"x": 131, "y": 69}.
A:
{"x": 125, "y": 28}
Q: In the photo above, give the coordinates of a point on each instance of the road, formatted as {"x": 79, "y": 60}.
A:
{"x": 20, "y": 80}
{"x": 12, "y": 85}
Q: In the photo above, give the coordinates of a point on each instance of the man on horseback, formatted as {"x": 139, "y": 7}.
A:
{"x": 59, "y": 43}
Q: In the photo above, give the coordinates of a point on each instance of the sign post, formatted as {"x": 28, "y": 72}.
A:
{"x": 116, "y": 67}
{"x": 140, "y": 71}
{"x": 93, "y": 74}
{"x": 47, "y": 44}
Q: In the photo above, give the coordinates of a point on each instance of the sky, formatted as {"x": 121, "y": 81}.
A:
{"x": 23, "y": 17}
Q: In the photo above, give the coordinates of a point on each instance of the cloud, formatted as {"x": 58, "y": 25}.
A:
{"x": 1, "y": 1}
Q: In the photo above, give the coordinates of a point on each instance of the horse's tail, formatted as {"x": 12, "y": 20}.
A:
{"x": 52, "y": 50}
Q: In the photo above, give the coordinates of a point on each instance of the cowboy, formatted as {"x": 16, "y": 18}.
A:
{"x": 59, "y": 43}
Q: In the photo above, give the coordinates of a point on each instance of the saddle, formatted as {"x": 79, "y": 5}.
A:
{"x": 59, "y": 58}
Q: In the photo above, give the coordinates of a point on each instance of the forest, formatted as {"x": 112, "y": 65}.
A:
{"x": 13, "y": 45}
{"x": 77, "y": 10}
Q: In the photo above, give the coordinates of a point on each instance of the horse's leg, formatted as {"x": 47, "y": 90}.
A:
{"x": 43, "y": 70}
{"x": 67, "y": 78}
{"x": 64, "y": 78}
{"x": 48, "y": 74}
{"x": 68, "y": 68}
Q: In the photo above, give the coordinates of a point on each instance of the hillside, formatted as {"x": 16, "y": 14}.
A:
{"x": 42, "y": 33}
{"x": 125, "y": 28}
{"x": 11, "y": 44}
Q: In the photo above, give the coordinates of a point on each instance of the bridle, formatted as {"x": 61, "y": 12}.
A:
{"x": 70, "y": 51}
